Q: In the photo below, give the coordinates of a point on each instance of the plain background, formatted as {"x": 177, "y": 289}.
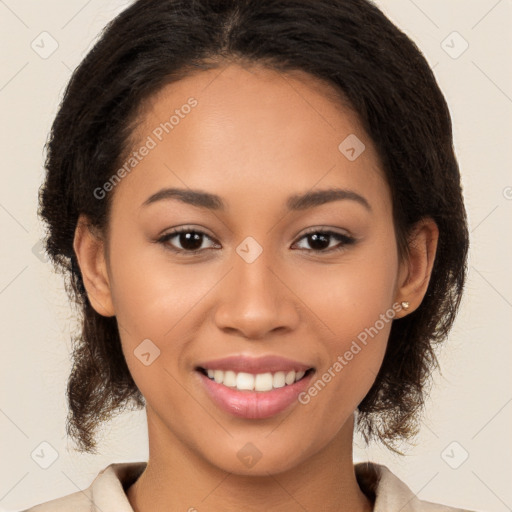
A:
{"x": 463, "y": 456}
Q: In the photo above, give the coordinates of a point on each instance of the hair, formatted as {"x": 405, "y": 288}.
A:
{"x": 348, "y": 44}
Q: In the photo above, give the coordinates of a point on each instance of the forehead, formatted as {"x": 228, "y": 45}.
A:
{"x": 251, "y": 127}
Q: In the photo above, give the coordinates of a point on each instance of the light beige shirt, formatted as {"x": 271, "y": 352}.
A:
{"x": 107, "y": 492}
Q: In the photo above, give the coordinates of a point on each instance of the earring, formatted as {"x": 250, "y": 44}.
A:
{"x": 405, "y": 304}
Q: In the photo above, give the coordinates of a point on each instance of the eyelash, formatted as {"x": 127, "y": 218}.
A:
{"x": 344, "y": 241}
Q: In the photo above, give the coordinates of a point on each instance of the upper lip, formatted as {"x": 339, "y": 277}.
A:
{"x": 255, "y": 365}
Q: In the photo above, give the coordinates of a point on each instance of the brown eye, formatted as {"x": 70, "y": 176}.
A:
{"x": 188, "y": 240}
{"x": 320, "y": 241}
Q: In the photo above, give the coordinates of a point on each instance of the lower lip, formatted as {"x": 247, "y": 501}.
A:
{"x": 254, "y": 404}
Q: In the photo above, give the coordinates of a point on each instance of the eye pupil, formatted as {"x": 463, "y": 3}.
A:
{"x": 315, "y": 238}
{"x": 190, "y": 240}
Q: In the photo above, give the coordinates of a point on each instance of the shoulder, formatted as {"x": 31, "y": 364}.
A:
{"x": 392, "y": 494}
{"x": 77, "y": 501}
{"x": 106, "y": 492}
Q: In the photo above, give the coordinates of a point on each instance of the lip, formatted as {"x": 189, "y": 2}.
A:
{"x": 254, "y": 404}
{"x": 255, "y": 365}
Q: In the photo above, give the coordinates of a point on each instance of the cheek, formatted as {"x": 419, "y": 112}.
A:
{"x": 350, "y": 296}
{"x": 151, "y": 295}
{"x": 354, "y": 302}
{"x": 352, "y": 357}
{"x": 153, "y": 301}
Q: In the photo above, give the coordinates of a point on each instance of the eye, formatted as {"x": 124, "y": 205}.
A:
{"x": 190, "y": 240}
{"x": 320, "y": 241}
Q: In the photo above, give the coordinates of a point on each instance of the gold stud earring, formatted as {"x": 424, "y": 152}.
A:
{"x": 405, "y": 304}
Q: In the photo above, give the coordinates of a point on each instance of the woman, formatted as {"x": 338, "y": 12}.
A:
{"x": 259, "y": 209}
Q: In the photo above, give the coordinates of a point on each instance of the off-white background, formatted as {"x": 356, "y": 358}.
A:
{"x": 471, "y": 402}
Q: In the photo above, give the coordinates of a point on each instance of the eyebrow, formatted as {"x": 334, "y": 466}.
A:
{"x": 210, "y": 201}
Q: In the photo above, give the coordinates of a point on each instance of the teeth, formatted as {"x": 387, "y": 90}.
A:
{"x": 259, "y": 382}
{"x": 263, "y": 382}
{"x": 290, "y": 377}
{"x": 279, "y": 380}
{"x": 244, "y": 381}
{"x": 229, "y": 379}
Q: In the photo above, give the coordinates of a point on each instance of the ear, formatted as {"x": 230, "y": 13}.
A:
{"x": 416, "y": 268}
{"x": 90, "y": 252}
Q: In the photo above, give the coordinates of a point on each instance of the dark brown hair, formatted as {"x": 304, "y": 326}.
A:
{"x": 349, "y": 44}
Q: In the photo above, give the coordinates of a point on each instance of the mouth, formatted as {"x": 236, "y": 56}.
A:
{"x": 250, "y": 395}
{"x": 259, "y": 382}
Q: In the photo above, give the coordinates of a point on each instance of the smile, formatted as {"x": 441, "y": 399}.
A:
{"x": 253, "y": 396}
{"x": 261, "y": 382}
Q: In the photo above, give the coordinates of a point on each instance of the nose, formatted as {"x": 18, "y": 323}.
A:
{"x": 256, "y": 300}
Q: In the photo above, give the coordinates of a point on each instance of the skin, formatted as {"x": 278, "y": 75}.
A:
{"x": 255, "y": 138}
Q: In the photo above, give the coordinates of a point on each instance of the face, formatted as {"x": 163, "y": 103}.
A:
{"x": 258, "y": 275}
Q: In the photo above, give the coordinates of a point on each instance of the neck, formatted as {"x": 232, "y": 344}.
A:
{"x": 177, "y": 478}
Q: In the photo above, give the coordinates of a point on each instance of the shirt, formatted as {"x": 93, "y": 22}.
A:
{"x": 107, "y": 493}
